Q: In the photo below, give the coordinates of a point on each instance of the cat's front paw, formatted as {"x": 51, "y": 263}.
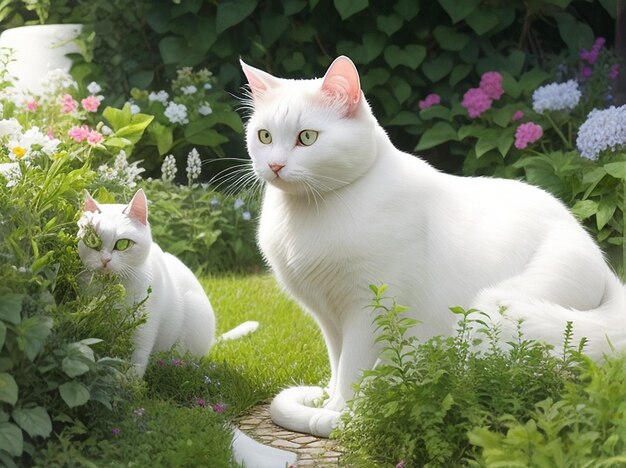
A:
{"x": 336, "y": 403}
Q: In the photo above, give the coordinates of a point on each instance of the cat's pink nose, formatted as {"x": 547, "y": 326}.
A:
{"x": 276, "y": 167}
{"x": 105, "y": 262}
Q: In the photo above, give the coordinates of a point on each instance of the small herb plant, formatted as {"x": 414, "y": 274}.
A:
{"x": 417, "y": 406}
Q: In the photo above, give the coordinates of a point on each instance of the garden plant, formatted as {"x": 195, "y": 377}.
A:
{"x": 504, "y": 88}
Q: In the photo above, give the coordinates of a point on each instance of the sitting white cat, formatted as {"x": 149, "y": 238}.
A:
{"x": 117, "y": 239}
{"x": 343, "y": 209}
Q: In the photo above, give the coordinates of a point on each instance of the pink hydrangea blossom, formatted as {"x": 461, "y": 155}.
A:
{"x": 518, "y": 115}
{"x": 94, "y": 137}
{"x": 429, "y": 101}
{"x": 614, "y": 73}
{"x": 79, "y": 134}
{"x": 32, "y": 105}
{"x": 68, "y": 104}
{"x": 476, "y": 101}
{"x": 526, "y": 134}
{"x": 491, "y": 84}
{"x": 90, "y": 103}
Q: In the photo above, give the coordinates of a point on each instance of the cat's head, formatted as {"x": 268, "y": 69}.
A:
{"x": 114, "y": 238}
{"x": 310, "y": 136}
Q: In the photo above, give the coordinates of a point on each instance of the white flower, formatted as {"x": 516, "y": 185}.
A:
{"x": 603, "y": 130}
{"x": 205, "y": 109}
{"x": 194, "y": 165}
{"x": 238, "y": 203}
{"x": 168, "y": 168}
{"x": 56, "y": 81}
{"x": 161, "y": 96}
{"x": 191, "y": 89}
{"x": 11, "y": 172}
{"x": 106, "y": 131}
{"x": 122, "y": 171}
{"x": 135, "y": 109}
{"x": 30, "y": 143}
{"x": 556, "y": 96}
{"x": 176, "y": 113}
{"x": 10, "y": 127}
{"x": 94, "y": 88}
{"x": 208, "y": 86}
{"x": 246, "y": 216}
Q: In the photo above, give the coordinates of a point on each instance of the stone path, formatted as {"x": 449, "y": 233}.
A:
{"x": 311, "y": 450}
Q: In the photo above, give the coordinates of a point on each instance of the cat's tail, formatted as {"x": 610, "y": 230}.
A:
{"x": 293, "y": 409}
{"x": 256, "y": 455}
{"x": 239, "y": 331}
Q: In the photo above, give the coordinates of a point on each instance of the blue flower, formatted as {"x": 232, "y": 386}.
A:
{"x": 246, "y": 215}
{"x": 603, "y": 130}
{"x": 214, "y": 201}
{"x": 556, "y": 96}
{"x": 239, "y": 203}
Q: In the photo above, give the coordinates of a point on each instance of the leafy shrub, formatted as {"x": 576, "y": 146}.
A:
{"x": 419, "y": 403}
{"x": 584, "y": 426}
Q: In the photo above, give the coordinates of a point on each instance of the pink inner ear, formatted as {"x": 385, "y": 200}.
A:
{"x": 257, "y": 85}
{"x": 90, "y": 204}
{"x": 342, "y": 81}
{"x": 138, "y": 207}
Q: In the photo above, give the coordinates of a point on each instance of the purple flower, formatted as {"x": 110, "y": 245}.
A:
{"x": 429, "y": 101}
{"x": 518, "y": 115}
{"x": 400, "y": 464}
{"x": 491, "y": 84}
{"x": 586, "y": 72}
{"x": 160, "y": 362}
{"x": 116, "y": 431}
{"x": 614, "y": 73}
{"x": 200, "y": 402}
{"x": 219, "y": 407}
{"x": 476, "y": 101}
{"x": 178, "y": 362}
{"x": 527, "y": 133}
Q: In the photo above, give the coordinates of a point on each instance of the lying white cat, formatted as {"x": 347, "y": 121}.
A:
{"x": 343, "y": 209}
{"x": 117, "y": 239}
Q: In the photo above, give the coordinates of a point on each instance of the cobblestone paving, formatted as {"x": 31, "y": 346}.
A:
{"x": 312, "y": 451}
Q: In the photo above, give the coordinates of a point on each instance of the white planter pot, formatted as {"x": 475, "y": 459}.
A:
{"x": 38, "y": 49}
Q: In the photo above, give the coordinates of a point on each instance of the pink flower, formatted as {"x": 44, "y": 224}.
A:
{"x": 32, "y": 105}
{"x": 518, "y": 115}
{"x": 429, "y": 101}
{"x": 201, "y": 402}
{"x": 90, "y": 103}
{"x": 491, "y": 84}
{"x": 79, "y": 134}
{"x": 527, "y": 133}
{"x": 219, "y": 407}
{"x": 476, "y": 101}
{"x": 94, "y": 137}
{"x": 586, "y": 72}
{"x": 590, "y": 56}
{"x": 68, "y": 104}
{"x": 614, "y": 73}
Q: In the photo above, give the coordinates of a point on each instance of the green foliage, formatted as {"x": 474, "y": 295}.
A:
{"x": 584, "y": 427}
{"x": 419, "y": 403}
{"x": 208, "y": 231}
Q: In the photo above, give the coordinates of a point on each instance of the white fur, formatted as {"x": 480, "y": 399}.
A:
{"x": 352, "y": 210}
{"x": 178, "y": 309}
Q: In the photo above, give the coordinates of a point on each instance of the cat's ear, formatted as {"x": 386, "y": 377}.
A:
{"x": 259, "y": 81}
{"x": 90, "y": 204}
{"x": 137, "y": 209}
{"x": 342, "y": 82}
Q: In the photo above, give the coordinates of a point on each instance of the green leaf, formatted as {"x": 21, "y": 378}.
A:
{"x": 11, "y": 439}
{"x": 584, "y": 209}
{"x": 505, "y": 141}
{"x": 8, "y": 388}
{"x": 439, "y": 133}
{"x": 10, "y": 307}
{"x": 401, "y": 89}
{"x": 163, "y": 136}
{"x": 458, "y": 10}
{"x": 616, "y": 169}
{"x": 486, "y": 143}
{"x": 116, "y": 142}
{"x": 438, "y": 68}
{"x": 404, "y": 118}
{"x": 411, "y": 56}
{"x": 459, "y": 72}
{"x": 408, "y": 9}
{"x": 610, "y": 6}
{"x": 133, "y": 131}
{"x": 375, "y": 77}
{"x": 482, "y": 21}
{"x": 3, "y": 334}
{"x": 604, "y": 214}
{"x": 32, "y": 334}
{"x": 374, "y": 43}
{"x": 347, "y": 8}
{"x": 74, "y": 366}
{"x": 435, "y": 112}
{"x": 74, "y": 393}
{"x": 574, "y": 33}
{"x": 230, "y": 13}
{"x": 34, "y": 421}
{"x": 449, "y": 39}
{"x": 208, "y": 137}
{"x": 389, "y": 24}
{"x": 502, "y": 117}
{"x": 272, "y": 28}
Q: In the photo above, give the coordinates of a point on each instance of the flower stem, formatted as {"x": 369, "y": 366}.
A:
{"x": 568, "y": 145}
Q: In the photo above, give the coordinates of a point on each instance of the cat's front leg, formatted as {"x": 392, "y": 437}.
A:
{"x": 144, "y": 342}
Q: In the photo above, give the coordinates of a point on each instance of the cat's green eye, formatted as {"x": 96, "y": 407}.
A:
{"x": 123, "y": 244}
{"x": 265, "y": 137}
{"x": 92, "y": 240}
{"x": 307, "y": 137}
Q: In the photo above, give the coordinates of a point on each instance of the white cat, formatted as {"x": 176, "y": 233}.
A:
{"x": 117, "y": 239}
{"x": 343, "y": 209}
